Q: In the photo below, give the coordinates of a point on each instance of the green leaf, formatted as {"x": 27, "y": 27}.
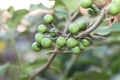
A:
{"x": 71, "y": 5}
{"x": 39, "y": 6}
{"x": 4, "y": 68}
{"x": 92, "y": 75}
{"x": 105, "y": 30}
{"x": 11, "y": 10}
{"x": 17, "y": 16}
{"x": 60, "y": 12}
{"x": 58, "y": 3}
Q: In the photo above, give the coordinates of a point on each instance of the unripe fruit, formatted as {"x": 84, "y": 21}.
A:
{"x": 48, "y": 18}
{"x": 81, "y": 46}
{"x": 53, "y": 32}
{"x": 46, "y": 42}
{"x": 35, "y": 46}
{"x": 85, "y": 42}
{"x": 75, "y": 50}
{"x": 73, "y": 28}
{"x": 91, "y": 11}
{"x": 42, "y": 28}
{"x": 83, "y": 25}
{"x": 61, "y": 41}
{"x": 95, "y": 8}
{"x": 39, "y": 37}
{"x": 71, "y": 42}
{"x": 114, "y": 9}
{"x": 86, "y": 3}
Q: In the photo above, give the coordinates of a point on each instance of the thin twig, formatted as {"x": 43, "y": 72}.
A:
{"x": 44, "y": 67}
{"x": 13, "y": 44}
{"x": 70, "y": 64}
{"x": 94, "y": 26}
{"x": 68, "y": 21}
{"x": 56, "y": 28}
{"x": 74, "y": 15}
{"x": 97, "y": 37}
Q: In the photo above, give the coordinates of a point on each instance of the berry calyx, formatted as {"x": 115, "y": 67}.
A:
{"x": 73, "y": 28}
{"x": 71, "y": 42}
{"x": 48, "y": 18}
{"x": 42, "y": 28}
{"x": 61, "y": 41}
{"x": 46, "y": 42}
{"x": 35, "y": 46}
{"x": 53, "y": 32}
{"x": 39, "y": 37}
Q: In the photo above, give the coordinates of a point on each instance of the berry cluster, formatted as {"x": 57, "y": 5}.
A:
{"x": 54, "y": 37}
{"x": 67, "y": 40}
{"x": 91, "y": 8}
{"x": 113, "y": 8}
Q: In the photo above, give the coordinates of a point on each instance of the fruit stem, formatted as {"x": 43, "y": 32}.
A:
{"x": 13, "y": 44}
{"x": 94, "y": 26}
{"x": 70, "y": 64}
{"x": 45, "y": 66}
{"x": 56, "y": 28}
{"x": 69, "y": 19}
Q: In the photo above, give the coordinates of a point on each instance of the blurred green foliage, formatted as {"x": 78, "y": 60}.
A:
{"x": 100, "y": 61}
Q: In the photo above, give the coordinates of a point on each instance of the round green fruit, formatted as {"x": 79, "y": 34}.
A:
{"x": 61, "y": 41}
{"x": 81, "y": 46}
{"x": 46, "y": 42}
{"x": 113, "y": 9}
{"x": 91, "y": 11}
{"x": 73, "y": 28}
{"x": 71, "y": 42}
{"x": 48, "y": 18}
{"x": 75, "y": 50}
{"x": 42, "y": 28}
{"x": 86, "y": 3}
{"x": 95, "y": 8}
{"x": 85, "y": 42}
{"x": 39, "y": 37}
{"x": 83, "y": 25}
{"x": 35, "y": 46}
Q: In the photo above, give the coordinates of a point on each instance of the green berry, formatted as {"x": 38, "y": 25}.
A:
{"x": 91, "y": 11}
{"x": 61, "y": 41}
{"x": 42, "y": 28}
{"x": 39, "y": 37}
{"x": 73, "y": 28}
{"x": 83, "y": 25}
{"x": 48, "y": 18}
{"x": 71, "y": 42}
{"x": 81, "y": 46}
{"x": 35, "y": 46}
{"x": 95, "y": 8}
{"x": 85, "y": 42}
{"x": 46, "y": 42}
{"x": 75, "y": 50}
{"x": 114, "y": 9}
{"x": 86, "y": 3}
